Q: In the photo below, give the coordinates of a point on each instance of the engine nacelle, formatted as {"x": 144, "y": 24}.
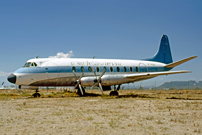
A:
{"x": 88, "y": 81}
{"x": 109, "y": 80}
{"x": 106, "y": 80}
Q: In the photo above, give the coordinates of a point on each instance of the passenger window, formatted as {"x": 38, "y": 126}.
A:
{"x": 105, "y": 69}
{"x": 124, "y": 68}
{"x": 131, "y": 69}
{"x": 74, "y": 69}
{"x": 97, "y": 69}
{"x": 89, "y": 69}
{"x": 82, "y": 69}
{"x": 136, "y": 69}
{"x": 111, "y": 69}
{"x": 118, "y": 69}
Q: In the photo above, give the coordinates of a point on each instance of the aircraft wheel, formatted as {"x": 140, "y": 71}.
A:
{"x": 114, "y": 93}
{"x": 36, "y": 95}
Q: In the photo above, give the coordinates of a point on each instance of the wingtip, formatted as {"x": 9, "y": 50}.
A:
{"x": 184, "y": 71}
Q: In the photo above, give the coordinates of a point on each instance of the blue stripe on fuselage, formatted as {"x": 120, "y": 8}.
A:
{"x": 68, "y": 69}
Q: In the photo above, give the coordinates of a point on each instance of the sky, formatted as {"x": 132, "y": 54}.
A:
{"x": 109, "y": 29}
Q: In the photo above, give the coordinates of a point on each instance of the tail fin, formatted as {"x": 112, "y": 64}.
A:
{"x": 163, "y": 54}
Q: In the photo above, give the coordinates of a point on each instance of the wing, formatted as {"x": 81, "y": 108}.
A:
{"x": 143, "y": 76}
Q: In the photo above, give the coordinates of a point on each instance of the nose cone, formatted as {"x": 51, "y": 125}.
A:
{"x": 12, "y": 78}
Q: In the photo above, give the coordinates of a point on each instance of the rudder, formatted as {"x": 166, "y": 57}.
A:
{"x": 163, "y": 54}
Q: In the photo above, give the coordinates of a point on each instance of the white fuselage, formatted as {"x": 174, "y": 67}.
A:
{"x": 59, "y": 71}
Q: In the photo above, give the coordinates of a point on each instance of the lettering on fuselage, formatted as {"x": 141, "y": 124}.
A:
{"x": 95, "y": 63}
{"x": 150, "y": 64}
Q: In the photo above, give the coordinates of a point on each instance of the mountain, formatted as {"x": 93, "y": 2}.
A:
{"x": 181, "y": 85}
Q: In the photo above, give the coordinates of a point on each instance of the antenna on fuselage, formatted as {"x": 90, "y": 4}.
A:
{"x": 93, "y": 57}
{"x": 37, "y": 57}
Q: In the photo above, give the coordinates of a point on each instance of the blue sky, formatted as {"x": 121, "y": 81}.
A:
{"x": 115, "y": 29}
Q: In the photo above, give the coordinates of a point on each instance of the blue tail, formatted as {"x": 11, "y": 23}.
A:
{"x": 163, "y": 54}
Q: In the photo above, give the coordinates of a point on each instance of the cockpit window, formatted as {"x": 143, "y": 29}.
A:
{"x": 29, "y": 64}
{"x": 35, "y": 64}
{"x": 25, "y": 65}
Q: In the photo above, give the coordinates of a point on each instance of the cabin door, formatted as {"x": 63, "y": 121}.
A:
{"x": 142, "y": 67}
{"x": 52, "y": 70}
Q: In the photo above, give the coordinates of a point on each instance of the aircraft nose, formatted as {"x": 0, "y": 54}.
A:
{"x": 12, "y": 78}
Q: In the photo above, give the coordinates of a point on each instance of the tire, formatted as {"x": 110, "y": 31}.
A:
{"x": 116, "y": 93}
{"x": 113, "y": 93}
{"x": 36, "y": 95}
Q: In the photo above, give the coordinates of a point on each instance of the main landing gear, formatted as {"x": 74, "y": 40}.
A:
{"x": 115, "y": 91}
{"x": 36, "y": 94}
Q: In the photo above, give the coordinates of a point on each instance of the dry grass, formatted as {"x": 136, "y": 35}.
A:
{"x": 156, "y": 94}
{"x": 133, "y": 112}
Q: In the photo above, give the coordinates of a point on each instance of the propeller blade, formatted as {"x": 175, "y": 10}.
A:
{"x": 81, "y": 89}
{"x": 82, "y": 72}
{"x": 100, "y": 87}
{"x": 99, "y": 78}
{"x": 102, "y": 73}
{"x": 2, "y": 83}
{"x": 76, "y": 86}
{"x": 93, "y": 86}
{"x": 94, "y": 71}
{"x": 74, "y": 73}
{"x": 77, "y": 82}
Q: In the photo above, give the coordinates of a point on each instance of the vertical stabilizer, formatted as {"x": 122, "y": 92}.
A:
{"x": 163, "y": 54}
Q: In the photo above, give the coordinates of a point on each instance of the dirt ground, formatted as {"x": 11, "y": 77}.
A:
{"x": 133, "y": 112}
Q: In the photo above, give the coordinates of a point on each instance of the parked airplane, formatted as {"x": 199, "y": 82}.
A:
{"x": 103, "y": 73}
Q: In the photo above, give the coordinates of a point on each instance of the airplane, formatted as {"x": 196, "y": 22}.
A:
{"x": 102, "y": 73}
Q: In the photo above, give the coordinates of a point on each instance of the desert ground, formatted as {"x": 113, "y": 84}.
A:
{"x": 144, "y": 112}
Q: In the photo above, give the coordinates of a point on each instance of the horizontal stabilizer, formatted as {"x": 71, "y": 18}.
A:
{"x": 174, "y": 64}
{"x": 153, "y": 74}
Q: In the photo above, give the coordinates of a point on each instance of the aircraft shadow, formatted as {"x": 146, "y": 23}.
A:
{"x": 120, "y": 96}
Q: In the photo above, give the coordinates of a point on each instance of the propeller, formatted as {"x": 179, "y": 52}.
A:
{"x": 98, "y": 80}
{"x": 78, "y": 82}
